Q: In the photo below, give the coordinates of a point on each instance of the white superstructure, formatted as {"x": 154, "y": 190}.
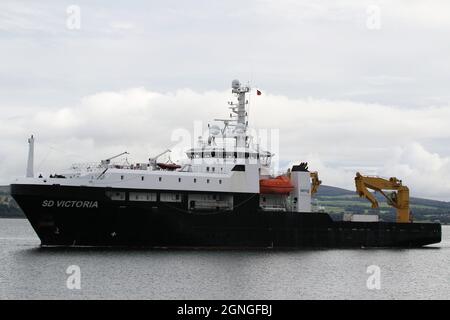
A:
{"x": 224, "y": 163}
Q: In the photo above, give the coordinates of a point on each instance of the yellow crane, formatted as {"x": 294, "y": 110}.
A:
{"x": 398, "y": 199}
{"x": 315, "y": 182}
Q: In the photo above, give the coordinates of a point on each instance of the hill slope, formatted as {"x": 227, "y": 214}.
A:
{"x": 338, "y": 201}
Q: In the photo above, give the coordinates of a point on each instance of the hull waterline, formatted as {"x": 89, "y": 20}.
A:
{"x": 85, "y": 216}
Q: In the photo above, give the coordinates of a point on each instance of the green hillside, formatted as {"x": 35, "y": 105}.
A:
{"x": 335, "y": 201}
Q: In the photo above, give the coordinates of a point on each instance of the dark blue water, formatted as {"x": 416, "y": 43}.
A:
{"x": 30, "y": 272}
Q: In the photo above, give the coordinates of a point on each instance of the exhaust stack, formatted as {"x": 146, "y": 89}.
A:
{"x": 30, "y": 163}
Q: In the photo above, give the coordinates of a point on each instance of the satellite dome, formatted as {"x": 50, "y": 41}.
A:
{"x": 214, "y": 130}
{"x": 235, "y": 84}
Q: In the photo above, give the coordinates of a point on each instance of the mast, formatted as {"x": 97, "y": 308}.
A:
{"x": 30, "y": 163}
{"x": 239, "y": 109}
{"x": 240, "y": 91}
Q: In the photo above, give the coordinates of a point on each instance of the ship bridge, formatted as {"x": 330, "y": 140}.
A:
{"x": 228, "y": 141}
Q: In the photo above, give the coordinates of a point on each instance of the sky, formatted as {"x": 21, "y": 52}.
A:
{"x": 348, "y": 85}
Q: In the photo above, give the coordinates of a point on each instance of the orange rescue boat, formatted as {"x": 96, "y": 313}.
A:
{"x": 278, "y": 185}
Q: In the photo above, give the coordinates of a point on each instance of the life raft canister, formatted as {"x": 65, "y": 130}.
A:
{"x": 168, "y": 166}
{"x": 278, "y": 185}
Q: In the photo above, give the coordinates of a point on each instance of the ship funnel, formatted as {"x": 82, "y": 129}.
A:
{"x": 30, "y": 163}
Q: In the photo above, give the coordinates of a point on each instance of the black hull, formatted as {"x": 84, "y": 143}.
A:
{"x": 89, "y": 218}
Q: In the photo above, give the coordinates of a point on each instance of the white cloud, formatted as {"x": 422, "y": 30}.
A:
{"x": 338, "y": 138}
{"x": 418, "y": 13}
{"x": 380, "y": 98}
{"x": 22, "y": 18}
{"x": 427, "y": 173}
{"x": 296, "y": 48}
{"x": 400, "y": 13}
{"x": 122, "y": 25}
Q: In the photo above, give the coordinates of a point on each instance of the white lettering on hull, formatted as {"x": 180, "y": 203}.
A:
{"x": 70, "y": 204}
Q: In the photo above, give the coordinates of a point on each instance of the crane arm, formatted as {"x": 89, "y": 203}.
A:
{"x": 108, "y": 161}
{"x": 153, "y": 160}
{"x": 377, "y": 183}
{"x": 399, "y": 200}
{"x": 315, "y": 182}
{"x": 362, "y": 191}
{"x": 159, "y": 155}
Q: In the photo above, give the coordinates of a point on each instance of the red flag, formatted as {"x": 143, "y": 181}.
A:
{"x": 258, "y": 92}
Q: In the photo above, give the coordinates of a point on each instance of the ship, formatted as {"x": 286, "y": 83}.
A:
{"x": 224, "y": 194}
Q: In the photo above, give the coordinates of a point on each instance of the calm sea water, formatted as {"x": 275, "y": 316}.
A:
{"x": 30, "y": 272}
